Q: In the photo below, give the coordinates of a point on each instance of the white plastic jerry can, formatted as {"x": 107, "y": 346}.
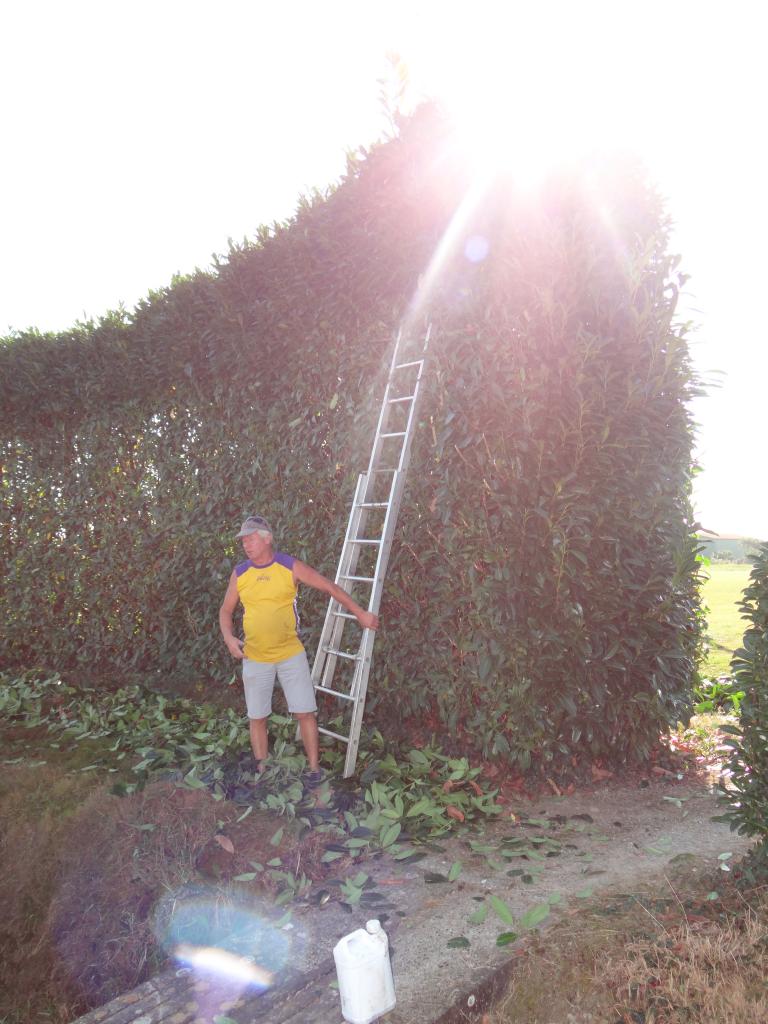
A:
{"x": 366, "y": 986}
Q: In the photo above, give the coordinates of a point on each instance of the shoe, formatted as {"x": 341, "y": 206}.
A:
{"x": 313, "y": 779}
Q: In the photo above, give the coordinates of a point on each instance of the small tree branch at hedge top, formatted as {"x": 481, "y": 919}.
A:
{"x": 746, "y": 792}
{"x": 541, "y": 601}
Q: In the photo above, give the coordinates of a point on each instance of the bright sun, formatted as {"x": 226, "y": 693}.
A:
{"x": 526, "y": 107}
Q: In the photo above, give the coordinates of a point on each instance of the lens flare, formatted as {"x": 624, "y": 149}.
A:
{"x": 450, "y": 240}
{"x": 229, "y": 966}
{"x": 233, "y": 947}
{"x": 476, "y": 248}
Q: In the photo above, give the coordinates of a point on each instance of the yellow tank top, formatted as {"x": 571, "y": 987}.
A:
{"x": 270, "y": 620}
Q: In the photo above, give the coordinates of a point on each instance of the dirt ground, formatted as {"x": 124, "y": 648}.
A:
{"x": 545, "y": 854}
{"x": 561, "y": 856}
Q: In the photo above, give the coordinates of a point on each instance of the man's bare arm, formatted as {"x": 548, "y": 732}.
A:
{"x": 228, "y": 605}
{"x": 305, "y": 574}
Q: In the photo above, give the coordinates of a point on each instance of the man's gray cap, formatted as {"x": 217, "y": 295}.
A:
{"x": 252, "y": 524}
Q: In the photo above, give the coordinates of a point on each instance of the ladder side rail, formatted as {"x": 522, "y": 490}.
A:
{"x": 332, "y": 626}
{"x": 350, "y": 554}
{"x": 325, "y": 676}
{"x": 363, "y": 667}
{"x": 383, "y": 417}
{"x": 396, "y": 493}
{"x": 382, "y": 436}
{"x": 361, "y": 690}
{"x": 405, "y": 452}
{"x": 324, "y": 665}
{"x": 353, "y": 697}
{"x": 408, "y": 431}
{"x": 390, "y": 525}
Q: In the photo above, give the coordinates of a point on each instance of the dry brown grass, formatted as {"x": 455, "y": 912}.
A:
{"x": 36, "y": 810}
{"x": 644, "y": 958}
{"x": 112, "y": 869}
{"x": 83, "y": 872}
{"x": 711, "y": 973}
{"x": 553, "y": 980}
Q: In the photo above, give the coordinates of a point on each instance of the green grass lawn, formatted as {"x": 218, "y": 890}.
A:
{"x": 721, "y": 594}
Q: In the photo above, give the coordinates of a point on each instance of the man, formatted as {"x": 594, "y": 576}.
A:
{"x": 266, "y": 584}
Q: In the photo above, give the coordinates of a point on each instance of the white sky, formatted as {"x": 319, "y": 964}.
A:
{"x": 137, "y": 137}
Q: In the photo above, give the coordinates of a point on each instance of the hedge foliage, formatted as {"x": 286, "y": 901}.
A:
{"x": 747, "y": 790}
{"x": 542, "y": 594}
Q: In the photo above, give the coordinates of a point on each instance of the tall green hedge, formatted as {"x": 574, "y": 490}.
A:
{"x": 541, "y": 600}
{"x": 746, "y": 793}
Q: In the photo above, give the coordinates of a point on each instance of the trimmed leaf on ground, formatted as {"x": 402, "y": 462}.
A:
{"x": 533, "y": 917}
{"x": 501, "y": 909}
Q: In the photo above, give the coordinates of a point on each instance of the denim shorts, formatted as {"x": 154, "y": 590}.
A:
{"x": 294, "y": 677}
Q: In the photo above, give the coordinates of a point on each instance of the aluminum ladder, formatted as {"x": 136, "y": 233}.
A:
{"x": 370, "y": 529}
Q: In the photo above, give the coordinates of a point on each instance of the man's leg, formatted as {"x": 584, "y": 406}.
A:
{"x": 310, "y": 737}
{"x": 259, "y": 738}
{"x": 296, "y": 681}
{"x": 258, "y": 684}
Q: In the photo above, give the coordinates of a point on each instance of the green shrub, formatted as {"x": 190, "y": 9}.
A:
{"x": 543, "y": 590}
{"x": 717, "y": 695}
{"x": 746, "y": 793}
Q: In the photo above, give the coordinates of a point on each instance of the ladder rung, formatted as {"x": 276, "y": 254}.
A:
{"x": 398, "y": 433}
{"x": 335, "y": 693}
{"x": 360, "y": 579}
{"x": 386, "y": 469}
{"x": 372, "y": 504}
{"x": 415, "y": 362}
{"x": 405, "y": 398}
{"x": 344, "y": 615}
{"x": 342, "y": 654}
{"x": 361, "y": 541}
{"x": 336, "y": 735}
